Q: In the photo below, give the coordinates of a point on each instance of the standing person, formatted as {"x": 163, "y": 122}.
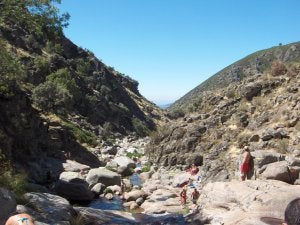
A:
{"x": 123, "y": 189}
{"x": 245, "y": 165}
{"x": 183, "y": 197}
{"x": 195, "y": 195}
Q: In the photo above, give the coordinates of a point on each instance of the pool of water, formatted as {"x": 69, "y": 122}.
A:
{"x": 102, "y": 203}
{"x": 135, "y": 179}
{"x": 142, "y": 219}
{"x": 163, "y": 219}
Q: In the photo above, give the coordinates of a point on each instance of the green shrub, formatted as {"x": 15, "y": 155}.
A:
{"x": 53, "y": 48}
{"x": 11, "y": 71}
{"x": 83, "y": 67}
{"x": 81, "y": 135}
{"x": 176, "y": 113}
{"x": 41, "y": 65}
{"x": 146, "y": 168}
{"x": 134, "y": 155}
{"x": 140, "y": 128}
{"x": 17, "y": 184}
{"x": 62, "y": 77}
{"x": 231, "y": 93}
{"x": 50, "y": 96}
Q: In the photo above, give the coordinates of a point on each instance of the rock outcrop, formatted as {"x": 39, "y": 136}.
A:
{"x": 250, "y": 202}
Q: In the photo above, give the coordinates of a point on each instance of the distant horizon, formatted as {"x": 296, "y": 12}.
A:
{"x": 172, "y": 46}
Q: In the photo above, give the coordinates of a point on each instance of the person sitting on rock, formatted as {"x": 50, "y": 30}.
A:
{"x": 292, "y": 213}
{"x": 245, "y": 165}
{"x": 183, "y": 197}
{"x": 193, "y": 170}
{"x": 190, "y": 183}
{"x": 20, "y": 219}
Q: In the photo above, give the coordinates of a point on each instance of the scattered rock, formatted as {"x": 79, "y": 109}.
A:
{"x": 104, "y": 176}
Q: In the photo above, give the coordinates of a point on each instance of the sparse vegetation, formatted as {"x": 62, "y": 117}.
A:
{"x": 11, "y": 71}
{"x": 146, "y": 168}
{"x": 243, "y": 139}
{"x": 175, "y": 114}
{"x": 278, "y": 68}
{"x": 16, "y": 183}
{"x": 140, "y": 128}
{"x": 134, "y": 155}
{"x": 52, "y": 97}
{"x": 282, "y": 146}
{"x": 81, "y": 135}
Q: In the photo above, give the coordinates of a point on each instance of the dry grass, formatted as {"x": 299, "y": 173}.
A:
{"x": 282, "y": 146}
{"x": 243, "y": 138}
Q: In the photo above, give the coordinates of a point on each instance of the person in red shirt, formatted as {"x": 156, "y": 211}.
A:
{"x": 245, "y": 164}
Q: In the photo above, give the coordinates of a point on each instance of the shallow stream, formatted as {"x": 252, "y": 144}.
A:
{"x": 117, "y": 204}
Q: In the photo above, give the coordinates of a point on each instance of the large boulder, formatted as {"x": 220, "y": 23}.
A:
{"x": 181, "y": 179}
{"x": 262, "y": 158}
{"x": 162, "y": 201}
{"x": 104, "y": 176}
{"x": 73, "y": 166}
{"x": 249, "y": 202}
{"x": 98, "y": 189}
{"x": 98, "y": 216}
{"x": 51, "y": 208}
{"x": 134, "y": 195}
{"x": 278, "y": 171}
{"x": 73, "y": 187}
{"x": 8, "y": 204}
{"x": 251, "y": 90}
{"x": 125, "y": 165}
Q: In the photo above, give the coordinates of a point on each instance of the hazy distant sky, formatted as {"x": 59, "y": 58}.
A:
{"x": 171, "y": 46}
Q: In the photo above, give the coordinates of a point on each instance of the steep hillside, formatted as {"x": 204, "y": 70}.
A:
{"x": 56, "y": 97}
{"x": 261, "y": 111}
{"x": 251, "y": 65}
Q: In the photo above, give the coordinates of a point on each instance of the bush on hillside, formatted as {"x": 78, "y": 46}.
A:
{"x": 83, "y": 136}
{"x": 11, "y": 72}
{"x": 52, "y": 97}
{"x": 176, "y": 113}
{"x": 140, "y": 128}
{"x": 278, "y": 68}
{"x": 62, "y": 77}
{"x": 17, "y": 184}
{"x": 41, "y": 65}
{"x": 38, "y": 17}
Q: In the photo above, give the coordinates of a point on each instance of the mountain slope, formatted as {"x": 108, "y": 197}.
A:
{"x": 253, "y": 64}
{"x": 56, "y": 97}
{"x": 261, "y": 111}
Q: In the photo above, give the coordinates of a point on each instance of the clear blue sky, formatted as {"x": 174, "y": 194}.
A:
{"x": 171, "y": 46}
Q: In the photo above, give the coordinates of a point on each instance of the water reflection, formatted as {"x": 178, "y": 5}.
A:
{"x": 135, "y": 179}
{"x": 102, "y": 203}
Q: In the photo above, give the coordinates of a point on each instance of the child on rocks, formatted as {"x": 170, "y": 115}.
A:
{"x": 183, "y": 197}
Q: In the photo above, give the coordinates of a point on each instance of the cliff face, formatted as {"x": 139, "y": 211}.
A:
{"x": 261, "y": 111}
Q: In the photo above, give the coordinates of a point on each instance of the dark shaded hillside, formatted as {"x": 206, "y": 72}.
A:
{"x": 253, "y": 64}
{"x": 56, "y": 97}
